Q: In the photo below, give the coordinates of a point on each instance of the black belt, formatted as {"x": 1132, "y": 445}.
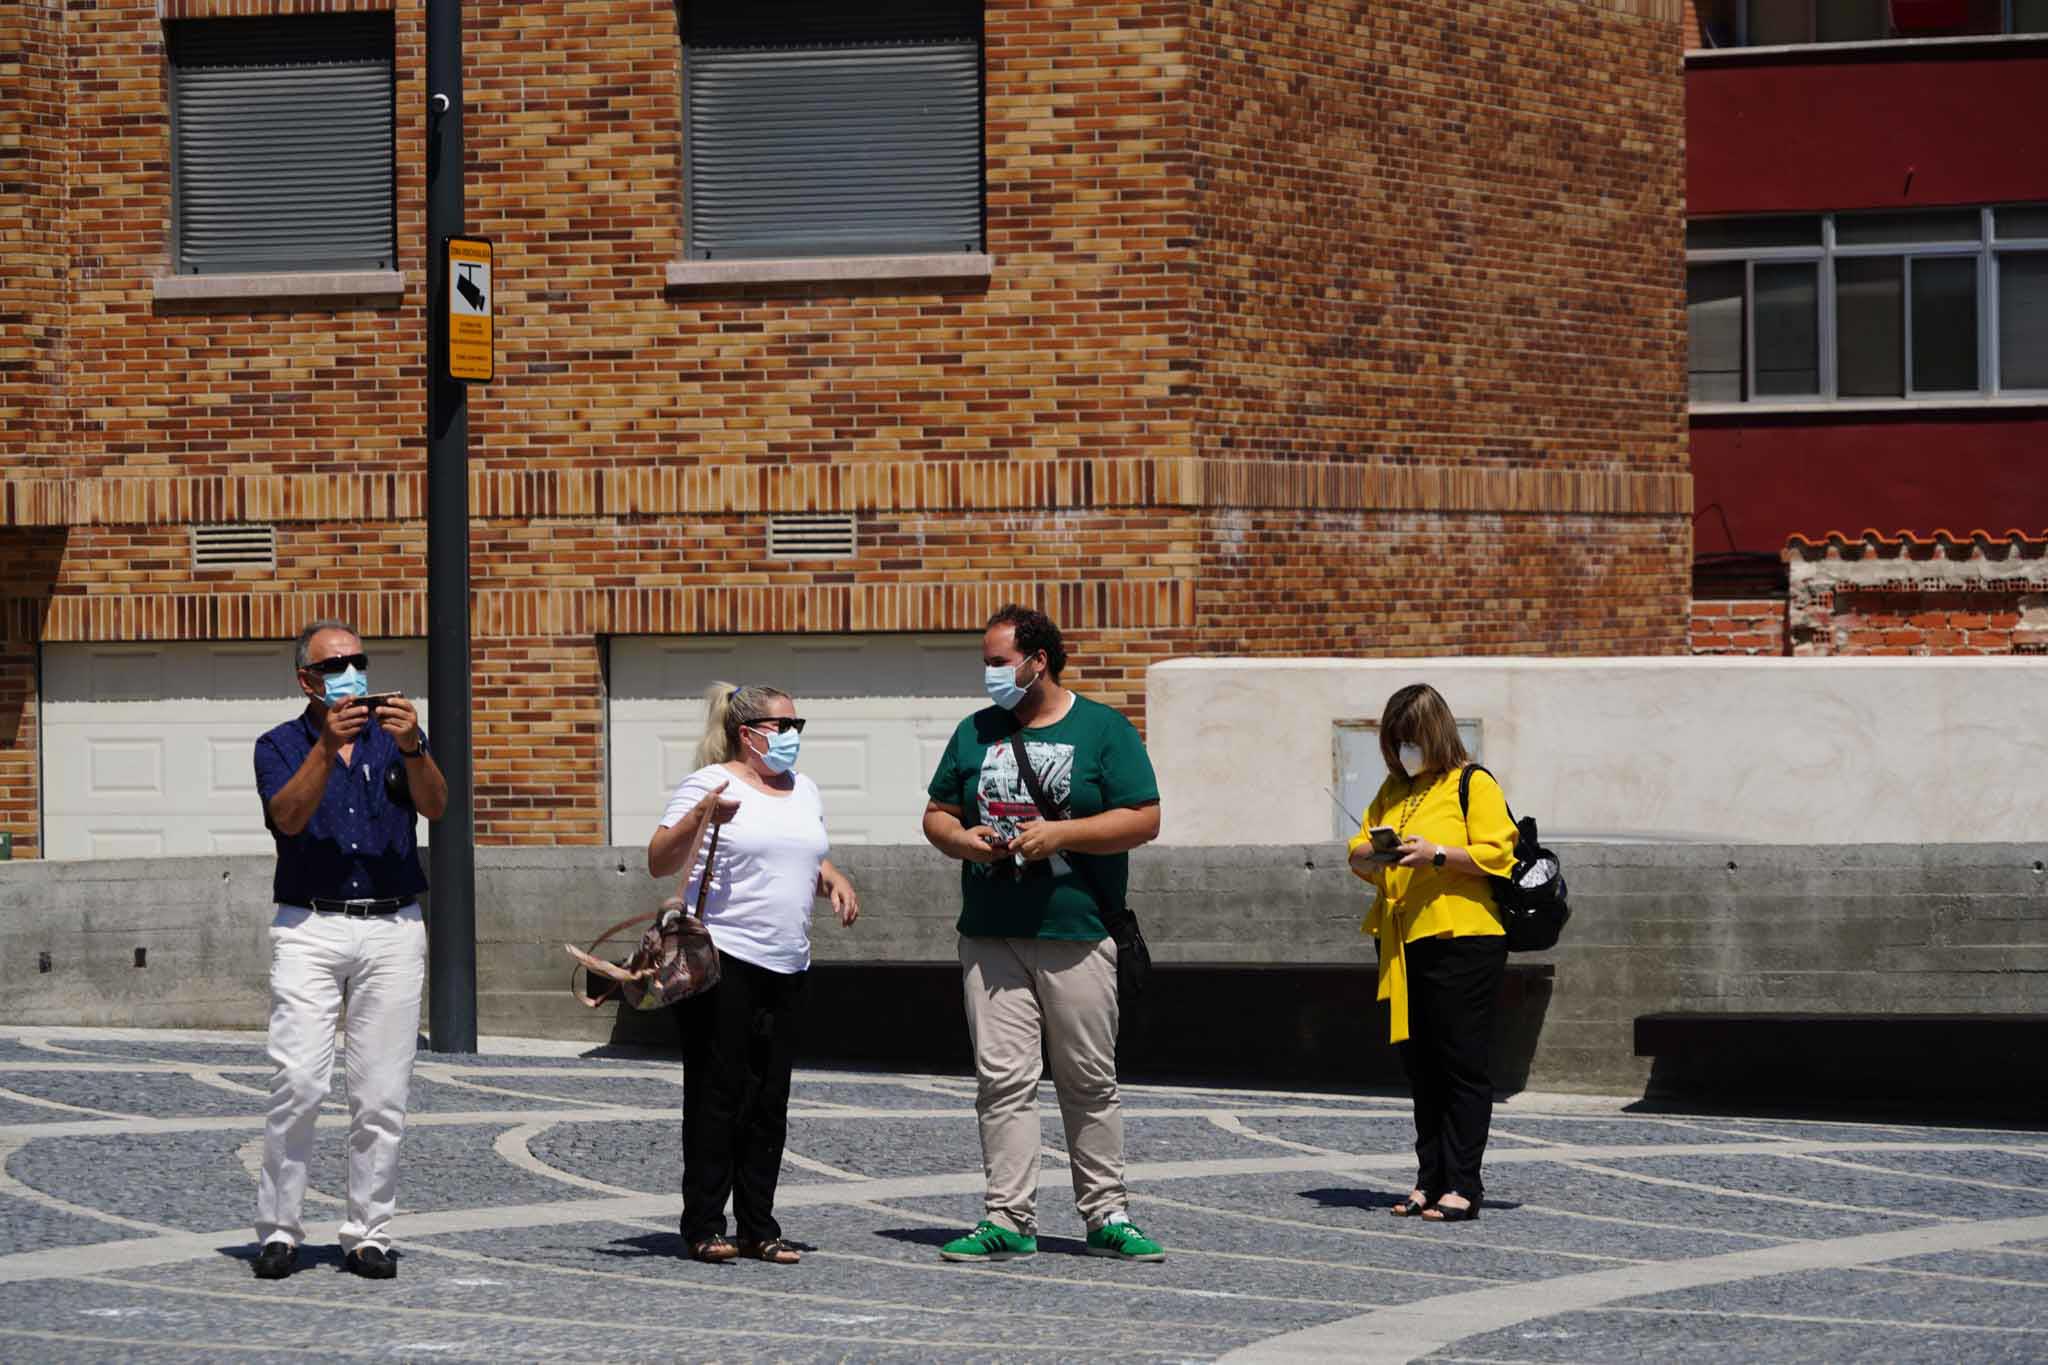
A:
{"x": 387, "y": 906}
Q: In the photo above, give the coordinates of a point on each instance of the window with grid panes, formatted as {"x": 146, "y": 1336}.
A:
{"x": 1941, "y": 304}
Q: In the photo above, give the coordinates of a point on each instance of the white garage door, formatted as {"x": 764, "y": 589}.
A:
{"x": 148, "y": 750}
{"x": 880, "y": 709}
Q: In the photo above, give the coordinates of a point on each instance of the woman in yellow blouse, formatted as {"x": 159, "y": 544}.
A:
{"x": 1441, "y": 945}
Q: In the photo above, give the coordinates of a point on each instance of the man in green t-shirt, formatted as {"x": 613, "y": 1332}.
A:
{"x": 1038, "y": 963}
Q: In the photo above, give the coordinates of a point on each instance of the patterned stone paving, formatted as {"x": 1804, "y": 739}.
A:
{"x": 538, "y": 1207}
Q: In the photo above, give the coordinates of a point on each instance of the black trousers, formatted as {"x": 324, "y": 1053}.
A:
{"x": 738, "y": 1046}
{"x": 1452, "y": 986}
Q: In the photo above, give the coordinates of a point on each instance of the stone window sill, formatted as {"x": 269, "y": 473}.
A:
{"x": 962, "y": 266}
{"x": 378, "y": 288}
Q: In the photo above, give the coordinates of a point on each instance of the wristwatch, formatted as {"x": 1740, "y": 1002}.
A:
{"x": 1437, "y": 859}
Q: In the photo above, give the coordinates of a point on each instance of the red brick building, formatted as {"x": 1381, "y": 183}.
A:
{"x": 1260, "y": 328}
{"x": 1867, "y": 249}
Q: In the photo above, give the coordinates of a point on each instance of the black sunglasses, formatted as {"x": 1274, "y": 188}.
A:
{"x": 782, "y": 724}
{"x": 339, "y": 663}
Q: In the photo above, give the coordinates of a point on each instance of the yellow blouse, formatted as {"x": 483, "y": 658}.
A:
{"x": 1425, "y": 902}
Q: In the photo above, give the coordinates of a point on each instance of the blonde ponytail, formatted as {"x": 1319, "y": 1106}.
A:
{"x": 726, "y": 708}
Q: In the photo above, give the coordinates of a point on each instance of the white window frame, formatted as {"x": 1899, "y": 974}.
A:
{"x": 1985, "y": 250}
{"x": 1742, "y": 28}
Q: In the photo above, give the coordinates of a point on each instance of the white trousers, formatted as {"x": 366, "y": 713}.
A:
{"x": 377, "y": 964}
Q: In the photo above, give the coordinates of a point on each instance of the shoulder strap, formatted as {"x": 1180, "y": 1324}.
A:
{"x": 1046, "y": 809}
{"x": 1465, "y": 791}
{"x": 710, "y": 857}
{"x": 594, "y": 965}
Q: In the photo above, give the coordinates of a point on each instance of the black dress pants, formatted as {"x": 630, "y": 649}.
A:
{"x": 1452, "y": 986}
{"x": 738, "y": 1047}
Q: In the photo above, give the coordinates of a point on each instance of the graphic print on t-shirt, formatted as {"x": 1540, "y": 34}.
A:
{"x": 1005, "y": 798}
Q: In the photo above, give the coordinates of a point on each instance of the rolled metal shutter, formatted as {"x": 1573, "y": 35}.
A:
{"x": 283, "y": 136}
{"x": 819, "y": 129}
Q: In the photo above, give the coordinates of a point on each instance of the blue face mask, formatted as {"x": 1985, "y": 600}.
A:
{"x": 780, "y": 755}
{"x": 347, "y": 685}
{"x": 1000, "y": 682}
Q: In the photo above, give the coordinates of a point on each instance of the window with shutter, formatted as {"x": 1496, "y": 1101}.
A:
{"x": 815, "y": 128}
{"x": 283, "y": 135}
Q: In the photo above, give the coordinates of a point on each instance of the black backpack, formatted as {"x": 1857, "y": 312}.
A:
{"x": 1531, "y": 898}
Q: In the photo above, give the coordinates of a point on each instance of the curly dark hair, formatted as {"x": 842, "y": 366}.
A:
{"x": 1033, "y": 631}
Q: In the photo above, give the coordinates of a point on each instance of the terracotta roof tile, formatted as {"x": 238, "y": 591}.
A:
{"x": 1905, "y": 544}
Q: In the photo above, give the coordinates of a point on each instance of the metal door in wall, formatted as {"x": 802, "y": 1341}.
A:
{"x": 879, "y": 709}
{"x": 149, "y": 750}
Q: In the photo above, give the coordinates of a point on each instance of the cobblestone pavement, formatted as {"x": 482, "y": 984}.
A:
{"x": 538, "y": 1203}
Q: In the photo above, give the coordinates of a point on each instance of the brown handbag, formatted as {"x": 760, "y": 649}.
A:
{"x": 676, "y": 958}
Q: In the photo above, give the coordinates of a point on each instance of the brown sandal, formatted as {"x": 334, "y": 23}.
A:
{"x": 775, "y": 1251}
{"x": 714, "y": 1250}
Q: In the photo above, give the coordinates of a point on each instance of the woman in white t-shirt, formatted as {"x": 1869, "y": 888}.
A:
{"x": 739, "y": 1035}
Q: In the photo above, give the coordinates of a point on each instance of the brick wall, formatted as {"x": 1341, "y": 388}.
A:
{"x": 1921, "y": 623}
{"x": 32, "y": 225}
{"x": 1906, "y": 595}
{"x": 33, "y": 207}
{"x": 28, "y": 567}
{"x": 157, "y": 389}
{"x": 1417, "y": 255}
{"x": 1739, "y": 626}
{"x": 1268, "y": 335}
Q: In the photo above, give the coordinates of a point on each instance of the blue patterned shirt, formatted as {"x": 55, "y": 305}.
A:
{"x": 359, "y": 843}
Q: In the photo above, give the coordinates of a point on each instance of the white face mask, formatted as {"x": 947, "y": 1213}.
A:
{"x": 1410, "y": 756}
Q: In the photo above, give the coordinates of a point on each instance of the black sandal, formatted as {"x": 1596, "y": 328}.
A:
{"x": 714, "y": 1250}
{"x": 1444, "y": 1213}
{"x": 1410, "y": 1207}
{"x": 775, "y": 1251}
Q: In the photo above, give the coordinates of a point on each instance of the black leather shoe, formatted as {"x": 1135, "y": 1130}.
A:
{"x": 372, "y": 1263}
{"x": 276, "y": 1260}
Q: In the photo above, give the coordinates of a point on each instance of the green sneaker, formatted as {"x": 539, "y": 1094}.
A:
{"x": 1124, "y": 1241}
{"x": 989, "y": 1243}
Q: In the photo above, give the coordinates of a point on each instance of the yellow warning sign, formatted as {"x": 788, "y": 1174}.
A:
{"x": 469, "y": 309}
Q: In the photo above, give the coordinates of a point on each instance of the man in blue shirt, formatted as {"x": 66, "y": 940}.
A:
{"x": 342, "y": 785}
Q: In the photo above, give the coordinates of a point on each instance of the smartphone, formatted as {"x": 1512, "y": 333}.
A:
{"x": 373, "y": 702}
{"x": 1386, "y": 844}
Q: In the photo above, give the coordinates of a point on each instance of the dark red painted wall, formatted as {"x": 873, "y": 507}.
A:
{"x": 1811, "y": 134}
{"x": 1776, "y": 475}
{"x": 1843, "y": 133}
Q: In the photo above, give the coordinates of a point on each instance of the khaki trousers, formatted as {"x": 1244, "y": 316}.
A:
{"x": 1018, "y": 991}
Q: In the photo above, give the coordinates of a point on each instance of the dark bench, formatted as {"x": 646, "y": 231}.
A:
{"x": 1270, "y": 1024}
{"x": 1981, "y": 1065}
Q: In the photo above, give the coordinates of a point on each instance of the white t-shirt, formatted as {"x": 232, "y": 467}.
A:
{"x": 766, "y": 878}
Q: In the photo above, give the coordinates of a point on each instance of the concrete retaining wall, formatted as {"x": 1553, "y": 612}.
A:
{"x": 1759, "y": 751}
{"x": 1961, "y": 928}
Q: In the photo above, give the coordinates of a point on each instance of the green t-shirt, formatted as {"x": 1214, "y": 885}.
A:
{"x": 1091, "y": 760}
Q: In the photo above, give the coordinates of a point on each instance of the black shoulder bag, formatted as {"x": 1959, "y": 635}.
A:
{"x": 1531, "y": 897}
{"x": 1133, "y": 958}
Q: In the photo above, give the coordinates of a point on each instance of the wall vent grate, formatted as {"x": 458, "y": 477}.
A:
{"x": 811, "y": 537}
{"x": 242, "y": 546}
